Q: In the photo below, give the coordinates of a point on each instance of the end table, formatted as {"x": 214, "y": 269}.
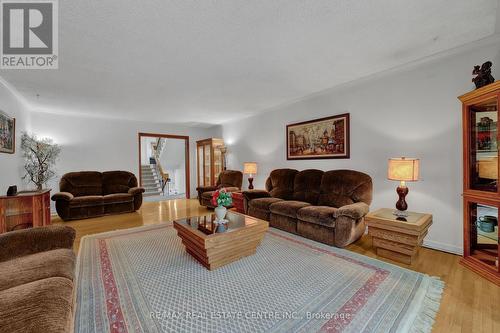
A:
{"x": 238, "y": 202}
{"x": 397, "y": 238}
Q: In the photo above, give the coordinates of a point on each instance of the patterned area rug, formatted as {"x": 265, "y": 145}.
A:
{"x": 142, "y": 280}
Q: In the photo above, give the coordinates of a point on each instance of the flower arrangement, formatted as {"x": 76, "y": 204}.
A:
{"x": 222, "y": 198}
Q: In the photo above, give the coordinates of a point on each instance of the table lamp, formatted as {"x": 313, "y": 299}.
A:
{"x": 405, "y": 170}
{"x": 250, "y": 169}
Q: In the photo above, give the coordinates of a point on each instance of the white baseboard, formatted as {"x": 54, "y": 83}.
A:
{"x": 443, "y": 247}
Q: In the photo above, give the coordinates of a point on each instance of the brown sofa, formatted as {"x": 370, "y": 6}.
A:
{"x": 328, "y": 207}
{"x": 37, "y": 268}
{"x": 231, "y": 180}
{"x": 88, "y": 194}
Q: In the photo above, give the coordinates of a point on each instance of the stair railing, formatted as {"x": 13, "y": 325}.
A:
{"x": 157, "y": 150}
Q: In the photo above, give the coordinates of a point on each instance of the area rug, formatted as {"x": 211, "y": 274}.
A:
{"x": 142, "y": 280}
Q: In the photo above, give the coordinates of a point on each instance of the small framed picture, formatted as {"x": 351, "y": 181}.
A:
{"x": 7, "y": 134}
{"x": 319, "y": 138}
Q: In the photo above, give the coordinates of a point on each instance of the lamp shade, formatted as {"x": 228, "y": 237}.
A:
{"x": 404, "y": 169}
{"x": 250, "y": 168}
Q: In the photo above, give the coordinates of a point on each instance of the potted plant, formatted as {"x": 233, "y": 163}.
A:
{"x": 221, "y": 198}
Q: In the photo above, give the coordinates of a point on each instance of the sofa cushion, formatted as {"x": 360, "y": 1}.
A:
{"x": 306, "y": 185}
{"x": 263, "y": 203}
{"x": 117, "y": 198}
{"x": 323, "y": 215}
{"x": 117, "y": 182}
{"x": 344, "y": 187}
{"x": 280, "y": 183}
{"x": 42, "y": 265}
{"x": 39, "y": 306}
{"x": 82, "y": 183}
{"x": 85, "y": 201}
{"x": 288, "y": 208}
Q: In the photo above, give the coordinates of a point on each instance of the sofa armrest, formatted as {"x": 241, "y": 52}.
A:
{"x": 66, "y": 196}
{"x": 202, "y": 189}
{"x": 28, "y": 241}
{"x": 136, "y": 190}
{"x": 355, "y": 211}
{"x": 255, "y": 194}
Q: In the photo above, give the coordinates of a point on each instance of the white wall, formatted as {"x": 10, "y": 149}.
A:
{"x": 11, "y": 165}
{"x": 107, "y": 144}
{"x": 410, "y": 112}
{"x": 172, "y": 159}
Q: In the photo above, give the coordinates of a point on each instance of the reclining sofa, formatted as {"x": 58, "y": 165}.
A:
{"x": 89, "y": 194}
{"x": 327, "y": 207}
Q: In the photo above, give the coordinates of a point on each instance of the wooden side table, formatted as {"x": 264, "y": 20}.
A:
{"x": 398, "y": 239}
{"x": 238, "y": 202}
{"x": 24, "y": 210}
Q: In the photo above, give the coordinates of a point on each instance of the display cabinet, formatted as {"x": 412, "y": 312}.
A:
{"x": 481, "y": 193}
{"x": 210, "y": 160}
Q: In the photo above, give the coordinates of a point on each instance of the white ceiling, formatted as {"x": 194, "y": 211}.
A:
{"x": 212, "y": 61}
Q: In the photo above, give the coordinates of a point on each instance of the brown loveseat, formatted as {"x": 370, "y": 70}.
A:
{"x": 88, "y": 194}
{"x": 231, "y": 180}
{"x": 328, "y": 207}
{"x": 36, "y": 280}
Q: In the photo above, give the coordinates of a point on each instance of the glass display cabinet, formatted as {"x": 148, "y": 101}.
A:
{"x": 481, "y": 192}
{"x": 209, "y": 160}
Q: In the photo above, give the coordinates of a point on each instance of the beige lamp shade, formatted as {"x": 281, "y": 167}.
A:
{"x": 249, "y": 168}
{"x": 403, "y": 169}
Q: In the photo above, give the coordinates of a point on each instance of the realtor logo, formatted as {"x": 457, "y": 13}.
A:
{"x": 29, "y": 34}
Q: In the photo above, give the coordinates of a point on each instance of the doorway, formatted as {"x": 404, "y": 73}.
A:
{"x": 164, "y": 166}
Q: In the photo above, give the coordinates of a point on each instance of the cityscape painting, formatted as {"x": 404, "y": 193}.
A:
{"x": 7, "y": 134}
{"x": 319, "y": 138}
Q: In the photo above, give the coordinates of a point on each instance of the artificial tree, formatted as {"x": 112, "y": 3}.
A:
{"x": 40, "y": 157}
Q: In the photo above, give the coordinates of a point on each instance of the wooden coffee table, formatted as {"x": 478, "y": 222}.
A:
{"x": 396, "y": 238}
{"x": 214, "y": 249}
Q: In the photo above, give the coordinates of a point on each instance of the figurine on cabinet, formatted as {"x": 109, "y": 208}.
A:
{"x": 483, "y": 75}
{"x": 12, "y": 191}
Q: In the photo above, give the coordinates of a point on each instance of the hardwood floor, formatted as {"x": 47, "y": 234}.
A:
{"x": 470, "y": 303}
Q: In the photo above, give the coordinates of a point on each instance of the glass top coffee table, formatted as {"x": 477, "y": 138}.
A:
{"x": 214, "y": 247}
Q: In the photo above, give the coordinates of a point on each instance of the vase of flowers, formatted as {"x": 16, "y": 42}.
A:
{"x": 221, "y": 198}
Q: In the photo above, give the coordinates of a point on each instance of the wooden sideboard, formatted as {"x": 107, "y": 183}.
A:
{"x": 25, "y": 210}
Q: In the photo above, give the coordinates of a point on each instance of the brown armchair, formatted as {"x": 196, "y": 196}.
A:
{"x": 231, "y": 180}
{"x": 37, "y": 268}
{"x": 88, "y": 194}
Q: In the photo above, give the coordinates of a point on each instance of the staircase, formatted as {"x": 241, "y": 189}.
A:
{"x": 150, "y": 180}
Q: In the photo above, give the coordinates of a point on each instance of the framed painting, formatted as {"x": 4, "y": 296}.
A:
{"x": 7, "y": 134}
{"x": 319, "y": 138}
